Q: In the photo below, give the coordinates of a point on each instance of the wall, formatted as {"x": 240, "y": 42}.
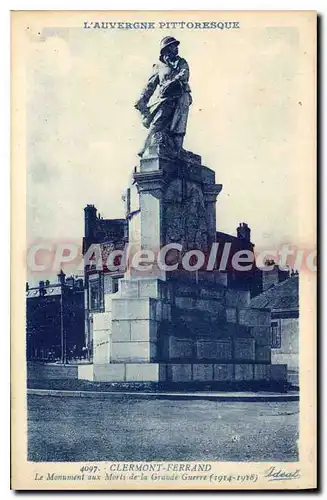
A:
{"x": 51, "y": 371}
{"x": 43, "y": 324}
{"x": 289, "y": 350}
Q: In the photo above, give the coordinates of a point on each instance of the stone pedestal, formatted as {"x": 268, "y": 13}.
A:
{"x": 179, "y": 327}
{"x": 177, "y": 200}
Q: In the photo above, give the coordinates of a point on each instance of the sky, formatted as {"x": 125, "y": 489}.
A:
{"x": 84, "y": 133}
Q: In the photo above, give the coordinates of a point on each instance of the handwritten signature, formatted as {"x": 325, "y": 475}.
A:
{"x": 275, "y": 474}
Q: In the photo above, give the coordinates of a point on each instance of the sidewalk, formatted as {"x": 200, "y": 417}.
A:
{"x": 209, "y": 396}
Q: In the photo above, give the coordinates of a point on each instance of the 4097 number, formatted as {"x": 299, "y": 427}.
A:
{"x": 89, "y": 468}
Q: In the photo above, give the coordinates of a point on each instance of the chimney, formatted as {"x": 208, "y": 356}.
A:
{"x": 70, "y": 281}
{"x": 61, "y": 277}
{"x": 269, "y": 278}
{"x": 90, "y": 217}
{"x": 244, "y": 232}
{"x": 41, "y": 288}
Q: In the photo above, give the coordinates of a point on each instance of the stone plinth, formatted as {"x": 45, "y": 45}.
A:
{"x": 177, "y": 199}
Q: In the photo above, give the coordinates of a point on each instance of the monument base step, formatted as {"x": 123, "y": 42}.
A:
{"x": 170, "y": 374}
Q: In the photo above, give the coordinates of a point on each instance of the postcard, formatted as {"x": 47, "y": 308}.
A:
{"x": 163, "y": 250}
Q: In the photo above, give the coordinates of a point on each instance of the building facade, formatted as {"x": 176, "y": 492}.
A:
{"x": 282, "y": 298}
{"x": 55, "y": 320}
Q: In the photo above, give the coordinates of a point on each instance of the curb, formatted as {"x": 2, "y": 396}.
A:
{"x": 232, "y": 397}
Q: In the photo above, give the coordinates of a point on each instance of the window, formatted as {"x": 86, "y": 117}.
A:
{"x": 275, "y": 335}
{"x": 96, "y": 294}
{"x": 115, "y": 285}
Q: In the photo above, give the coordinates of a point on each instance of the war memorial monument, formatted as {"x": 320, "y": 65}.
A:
{"x": 173, "y": 326}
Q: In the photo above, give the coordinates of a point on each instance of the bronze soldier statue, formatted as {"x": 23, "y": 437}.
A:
{"x": 168, "y": 112}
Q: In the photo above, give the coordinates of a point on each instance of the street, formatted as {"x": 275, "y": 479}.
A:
{"x": 138, "y": 429}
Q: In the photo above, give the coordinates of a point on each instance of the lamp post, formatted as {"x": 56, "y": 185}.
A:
{"x": 62, "y": 340}
{"x": 61, "y": 279}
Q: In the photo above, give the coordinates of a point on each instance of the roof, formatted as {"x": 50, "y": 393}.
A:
{"x": 240, "y": 242}
{"x": 49, "y": 290}
{"x": 226, "y": 236}
{"x": 284, "y": 295}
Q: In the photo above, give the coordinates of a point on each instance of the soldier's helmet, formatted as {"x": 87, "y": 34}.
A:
{"x": 165, "y": 42}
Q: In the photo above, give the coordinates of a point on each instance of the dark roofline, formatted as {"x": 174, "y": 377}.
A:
{"x": 267, "y": 294}
{"x": 233, "y": 238}
{"x": 121, "y": 221}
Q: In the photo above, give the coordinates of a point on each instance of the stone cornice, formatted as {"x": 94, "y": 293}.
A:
{"x": 153, "y": 182}
{"x": 211, "y": 191}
